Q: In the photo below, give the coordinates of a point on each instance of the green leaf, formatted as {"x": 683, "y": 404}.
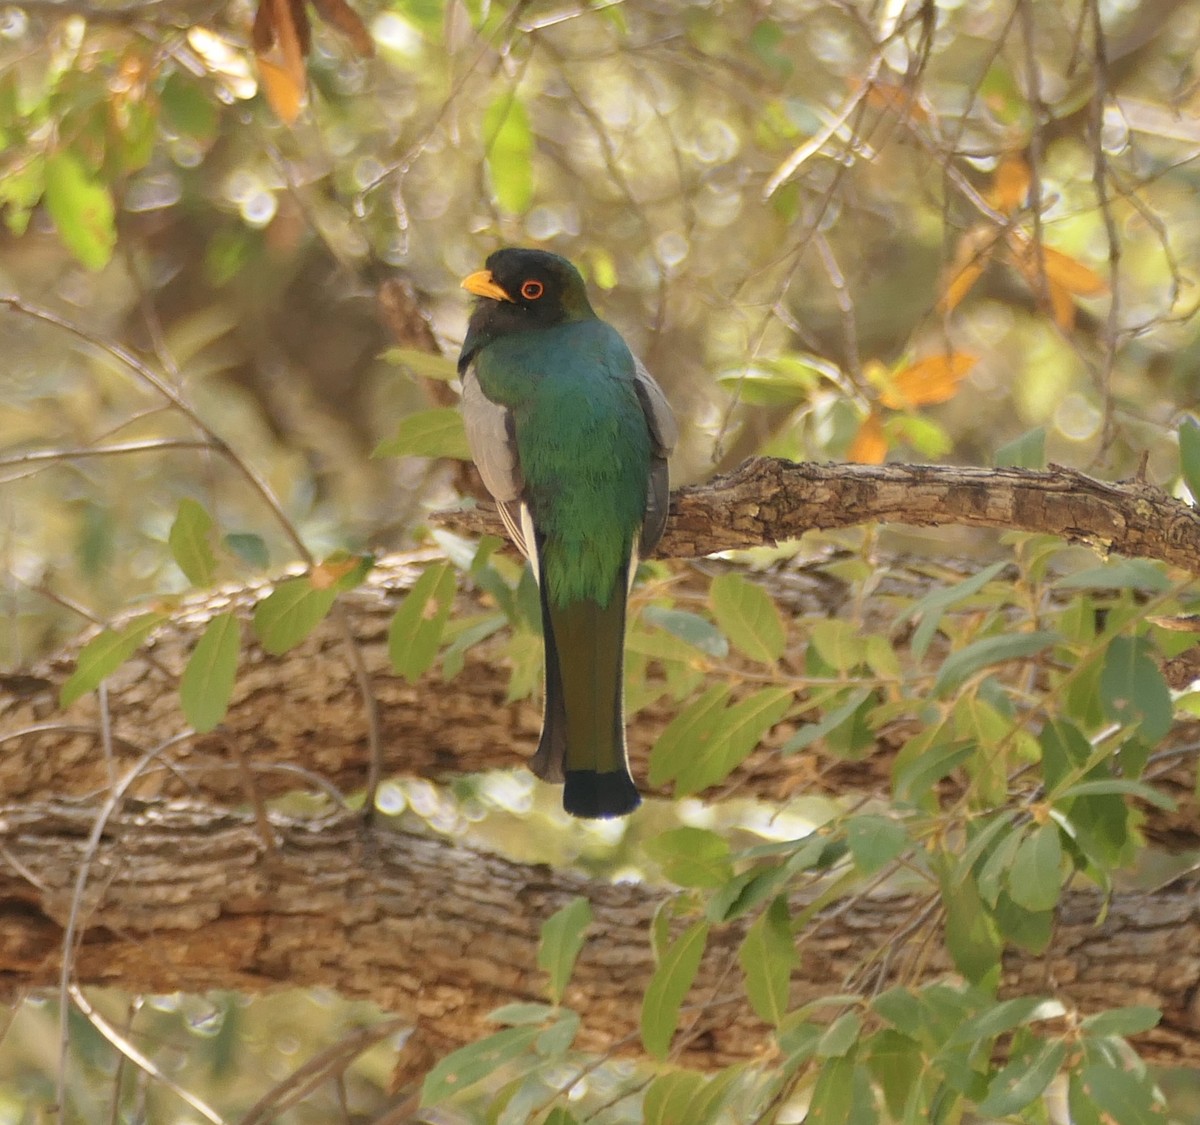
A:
{"x": 960, "y": 666}
{"x": 767, "y": 956}
{"x": 424, "y": 365}
{"x": 187, "y": 107}
{"x": 517, "y": 1015}
{"x": 839, "y": 643}
{"x": 691, "y": 857}
{"x": 840, "y": 1036}
{"x": 469, "y": 1064}
{"x": 208, "y": 679}
{"x": 718, "y": 749}
{"x": 248, "y": 547}
{"x": 690, "y": 628}
{"x": 923, "y": 761}
{"x": 981, "y": 1029}
{"x": 562, "y": 939}
{"x": 1023, "y": 1079}
{"x": 105, "y": 653}
{"x": 784, "y": 382}
{"x": 1119, "y": 574}
{"x": 748, "y": 617}
{"x": 1133, "y": 690}
{"x": 677, "y": 743}
{"x": 929, "y": 610}
{"x": 1138, "y": 789}
{"x": 1120, "y": 1096}
{"x": 290, "y": 612}
{"x": 669, "y": 1097}
{"x": 874, "y": 841}
{"x": 896, "y": 1063}
{"x": 833, "y": 1095}
{"x": 416, "y": 629}
{"x": 1035, "y": 878}
{"x": 971, "y": 936}
{"x": 808, "y": 733}
{"x": 1131, "y": 1020}
{"x": 82, "y": 209}
{"x": 508, "y": 142}
{"x": 560, "y": 1116}
{"x": 428, "y": 433}
{"x": 668, "y": 986}
{"x": 1026, "y": 452}
{"x": 189, "y": 543}
{"x": 1189, "y": 456}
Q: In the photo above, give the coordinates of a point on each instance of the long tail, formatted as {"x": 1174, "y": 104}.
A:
{"x": 583, "y": 736}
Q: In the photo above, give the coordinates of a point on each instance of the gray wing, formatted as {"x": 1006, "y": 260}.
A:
{"x": 493, "y": 444}
{"x": 665, "y": 432}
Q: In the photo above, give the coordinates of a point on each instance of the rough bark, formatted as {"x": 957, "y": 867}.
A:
{"x": 187, "y": 898}
{"x": 767, "y": 500}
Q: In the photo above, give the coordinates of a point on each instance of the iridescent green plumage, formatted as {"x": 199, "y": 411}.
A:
{"x": 570, "y": 434}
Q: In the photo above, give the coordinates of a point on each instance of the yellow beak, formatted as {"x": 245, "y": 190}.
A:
{"x": 482, "y": 284}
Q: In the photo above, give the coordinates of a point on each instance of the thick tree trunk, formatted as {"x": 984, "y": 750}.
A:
{"x": 187, "y": 898}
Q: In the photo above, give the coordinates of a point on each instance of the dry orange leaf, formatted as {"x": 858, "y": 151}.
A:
{"x": 1010, "y": 184}
{"x": 972, "y": 254}
{"x": 934, "y": 379}
{"x": 900, "y": 100}
{"x": 869, "y": 446}
{"x": 331, "y": 572}
{"x": 281, "y": 38}
{"x": 1062, "y": 276}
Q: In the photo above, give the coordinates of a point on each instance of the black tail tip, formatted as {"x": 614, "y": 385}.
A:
{"x": 599, "y": 796}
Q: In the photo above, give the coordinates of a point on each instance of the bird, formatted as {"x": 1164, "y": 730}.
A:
{"x": 571, "y": 435}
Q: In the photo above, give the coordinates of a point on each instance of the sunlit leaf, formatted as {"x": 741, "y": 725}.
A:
{"x": 691, "y": 628}
{"x": 208, "y": 679}
{"x": 691, "y": 857}
{"x": 428, "y": 433}
{"x": 508, "y": 140}
{"x": 190, "y": 544}
{"x": 748, "y": 616}
{"x": 562, "y": 939}
{"x": 668, "y": 986}
{"x": 669, "y": 1097}
{"x": 82, "y": 209}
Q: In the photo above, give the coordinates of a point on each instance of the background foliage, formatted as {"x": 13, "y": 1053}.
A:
{"x": 963, "y": 231}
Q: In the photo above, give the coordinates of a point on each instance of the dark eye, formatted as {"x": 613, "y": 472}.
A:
{"x": 532, "y": 290}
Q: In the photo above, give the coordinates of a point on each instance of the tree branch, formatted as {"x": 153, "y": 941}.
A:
{"x": 767, "y": 500}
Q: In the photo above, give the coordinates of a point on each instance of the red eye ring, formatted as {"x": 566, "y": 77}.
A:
{"x": 532, "y": 290}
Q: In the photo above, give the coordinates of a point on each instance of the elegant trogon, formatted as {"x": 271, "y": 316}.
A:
{"x": 571, "y": 435}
